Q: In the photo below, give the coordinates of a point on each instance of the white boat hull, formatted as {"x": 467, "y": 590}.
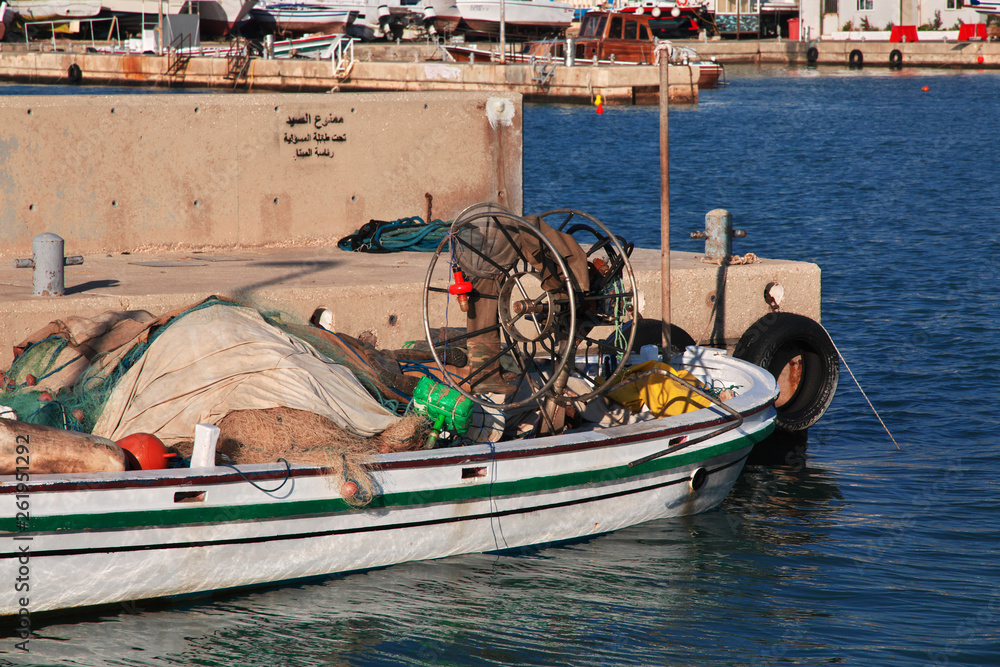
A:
{"x": 446, "y": 15}
{"x": 520, "y": 16}
{"x": 89, "y": 539}
{"x": 55, "y": 10}
{"x": 288, "y": 19}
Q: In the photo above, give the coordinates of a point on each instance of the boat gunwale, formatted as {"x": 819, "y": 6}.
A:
{"x": 758, "y": 398}
{"x": 267, "y": 472}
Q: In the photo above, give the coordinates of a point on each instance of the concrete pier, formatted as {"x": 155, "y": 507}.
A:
{"x": 618, "y": 84}
{"x": 371, "y": 292}
{"x": 170, "y": 199}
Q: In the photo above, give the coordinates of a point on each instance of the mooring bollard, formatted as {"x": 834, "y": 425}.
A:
{"x": 718, "y": 235}
{"x": 48, "y": 263}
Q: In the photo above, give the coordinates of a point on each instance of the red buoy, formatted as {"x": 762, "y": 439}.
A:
{"x": 980, "y": 60}
{"x": 145, "y": 451}
{"x": 349, "y": 489}
{"x": 460, "y": 288}
{"x": 925, "y": 88}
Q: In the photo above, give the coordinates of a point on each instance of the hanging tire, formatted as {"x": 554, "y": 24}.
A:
{"x": 798, "y": 352}
{"x": 74, "y": 73}
{"x": 856, "y": 60}
{"x": 896, "y": 59}
{"x": 812, "y": 55}
{"x": 650, "y": 333}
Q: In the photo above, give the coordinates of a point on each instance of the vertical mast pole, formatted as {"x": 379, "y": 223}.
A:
{"x": 665, "y": 203}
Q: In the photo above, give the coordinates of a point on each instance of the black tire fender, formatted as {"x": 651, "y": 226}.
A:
{"x": 856, "y": 59}
{"x": 798, "y": 352}
{"x": 812, "y": 55}
{"x": 650, "y": 333}
{"x": 74, "y": 73}
{"x": 896, "y": 58}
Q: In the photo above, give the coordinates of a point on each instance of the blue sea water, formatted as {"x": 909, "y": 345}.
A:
{"x": 858, "y": 553}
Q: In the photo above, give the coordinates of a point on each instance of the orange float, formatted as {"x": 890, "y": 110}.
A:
{"x": 145, "y": 451}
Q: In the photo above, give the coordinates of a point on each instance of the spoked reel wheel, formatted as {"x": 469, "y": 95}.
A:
{"x": 607, "y": 307}
{"x": 523, "y": 301}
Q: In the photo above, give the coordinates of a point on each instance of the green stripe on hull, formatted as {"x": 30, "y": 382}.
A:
{"x": 311, "y": 508}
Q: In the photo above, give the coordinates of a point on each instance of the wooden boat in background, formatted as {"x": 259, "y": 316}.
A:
{"x": 628, "y": 38}
{"x": 606, "y": 38}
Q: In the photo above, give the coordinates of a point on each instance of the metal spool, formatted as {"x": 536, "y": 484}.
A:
{"x": 549, "y": 328}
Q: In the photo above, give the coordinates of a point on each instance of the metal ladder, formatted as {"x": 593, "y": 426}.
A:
{"x": 177, "y": 57}
{"x": 342, "y": 57}
{"x": 239, "y": 61}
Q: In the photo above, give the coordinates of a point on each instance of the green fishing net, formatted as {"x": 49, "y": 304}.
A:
{"x": 78, "y": 406}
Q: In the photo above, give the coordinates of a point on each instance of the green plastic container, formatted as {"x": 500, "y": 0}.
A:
{"x": 447, "y": 408}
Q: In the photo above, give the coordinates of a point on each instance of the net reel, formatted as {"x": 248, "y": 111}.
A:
{"x": 544, "y": 299}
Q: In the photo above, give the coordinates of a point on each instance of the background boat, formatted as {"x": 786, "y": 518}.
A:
{"x": 52, "y": 10}
{"x": 293, "y": 19}
{"x": 671, "y": 20}
{"x": 6, "y": 18}
{"x": 219, "y": 17}
{"x": 443, "y": 15}
{"x": 522, "y": 18}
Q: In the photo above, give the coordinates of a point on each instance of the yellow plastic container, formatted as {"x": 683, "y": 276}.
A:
{"x": 657, "y": 393}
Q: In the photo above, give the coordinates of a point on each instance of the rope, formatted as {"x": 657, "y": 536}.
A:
{"x": 841, "y": 355}
{"x": 288, "y": 474}
{"x": 380, "y": 236}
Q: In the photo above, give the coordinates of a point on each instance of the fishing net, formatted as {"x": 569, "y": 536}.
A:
{"x": 77, "y": 401}
{"x": 380, "y": 236}
{"x": 264, "y": 436}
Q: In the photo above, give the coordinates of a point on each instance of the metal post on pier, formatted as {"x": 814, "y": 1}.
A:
{"x": 665, "y": 203}
{"x": 48, "y": 261}
{"x": 503, "y": 34}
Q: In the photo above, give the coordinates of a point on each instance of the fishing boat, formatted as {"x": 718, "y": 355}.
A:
{"x": 293, "y": 19}
{"x": 606, "y": 38}
{"x": 541, "y": 424}
{"x": 521, "y": 18}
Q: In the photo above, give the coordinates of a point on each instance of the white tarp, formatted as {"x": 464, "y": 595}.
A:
{"x": 223, "y": 358}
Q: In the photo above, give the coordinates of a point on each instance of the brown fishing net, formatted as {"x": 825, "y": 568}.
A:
{"x": 300, "y": 437}
{"x": 264, "y": 436}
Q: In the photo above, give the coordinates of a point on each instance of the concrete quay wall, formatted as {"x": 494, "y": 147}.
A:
{"x": 616, "y": 84}
{"x": 123, "y": 172}
{"x": 875, "y": 53}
